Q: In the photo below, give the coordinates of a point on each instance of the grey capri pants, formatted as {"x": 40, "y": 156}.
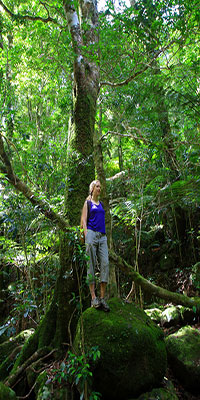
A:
{"x": 97, "y": 249}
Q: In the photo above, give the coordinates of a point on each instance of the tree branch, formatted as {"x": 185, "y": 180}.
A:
{"x": 130, "y": 135}
{"x": 44, "y": 351}
{"x": 149, "y": 287}
{"x": 133, "y": 76}
{"x": 42, "y": 205}
{"x": 29, "y": 17}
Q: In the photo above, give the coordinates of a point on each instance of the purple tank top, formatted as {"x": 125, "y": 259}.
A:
{"x": 96, "y": 221}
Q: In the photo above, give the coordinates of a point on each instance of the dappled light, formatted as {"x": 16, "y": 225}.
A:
{"x": 99, "y": 95}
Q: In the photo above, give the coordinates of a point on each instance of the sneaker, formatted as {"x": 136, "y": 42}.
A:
{"x": 104, "y": 305}
{"x": 95, "y": 302}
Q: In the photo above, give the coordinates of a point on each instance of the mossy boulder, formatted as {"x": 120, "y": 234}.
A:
{"x": 188, "y": 315}
{"x": 177, "y": 315}
{"x": 133, "y": 354}
{"x": 6, "y": 393}
{"x": 170, "y": 317}
{"x": 155, "y": 314}
{"x": 163, "y": 393}
{"x": 183, "y": 348}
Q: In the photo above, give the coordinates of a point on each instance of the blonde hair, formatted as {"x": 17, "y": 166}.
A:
{"x": 91, "y": 188}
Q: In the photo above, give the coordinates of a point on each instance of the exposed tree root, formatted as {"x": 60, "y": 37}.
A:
{"x": 28, "y": 394}
{"x": 39, "y": 354}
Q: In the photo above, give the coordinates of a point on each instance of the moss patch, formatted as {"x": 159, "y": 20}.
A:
{"x": 7, "y": 364}
{"x": 170, "y": 317}
{"x": 159, "y": 394}
{"x": 40, "y": 382}
{"x": 133, "y": 355}
{"x": 183, "y": 348}
{"x": 154, "y": 314}
{"x": 9, "y": 345}
{"x": 6, "y": 393}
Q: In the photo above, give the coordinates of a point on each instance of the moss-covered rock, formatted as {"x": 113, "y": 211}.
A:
{"x": 6, "y": 393}
{"x": 155, "y": 314}
{"x": 170, "y": 317}
{"x": 188, "y": 315}
{"x": 183, "y": 348}
{"x": 164, "y": 393}
{"x": 133, "y": 354}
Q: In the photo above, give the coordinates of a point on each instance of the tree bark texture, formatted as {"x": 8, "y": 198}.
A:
{"x": 57, "y": 327}
{"x": 165, "y": 127}
{"x": 85, "y": 93}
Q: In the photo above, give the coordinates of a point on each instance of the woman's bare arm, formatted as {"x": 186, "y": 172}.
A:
{"x": 84, "y": 218}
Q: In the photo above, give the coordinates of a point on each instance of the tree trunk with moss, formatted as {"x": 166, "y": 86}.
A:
{"x": 84, "y": 33}
{"x": 57, "y": 327}
{"x": 163, "y": 117}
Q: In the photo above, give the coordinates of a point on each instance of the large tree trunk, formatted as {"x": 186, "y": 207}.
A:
{"x": 163, "y": 118}
{"x": 57, "y": 327}
{"x": 85, "y": 93}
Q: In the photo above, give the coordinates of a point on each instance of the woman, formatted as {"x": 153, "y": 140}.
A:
{"x": 93, "y": 222}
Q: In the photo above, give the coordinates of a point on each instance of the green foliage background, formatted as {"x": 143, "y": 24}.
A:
{"x": 155, "y": 200}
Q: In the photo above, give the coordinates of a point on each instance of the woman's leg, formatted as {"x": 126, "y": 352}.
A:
{"x": 91, "y": 250}
{"x": 102, "y": 255}
{"x": 104, "y": 270}
{"x": 103, "y": 289}
{"x": 92, "y": 290}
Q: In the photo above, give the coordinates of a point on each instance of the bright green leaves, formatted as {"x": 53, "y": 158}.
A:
{"x": 76, "y": 369}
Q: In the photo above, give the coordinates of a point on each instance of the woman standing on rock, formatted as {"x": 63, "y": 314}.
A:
{"x": 93, "y": 222}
